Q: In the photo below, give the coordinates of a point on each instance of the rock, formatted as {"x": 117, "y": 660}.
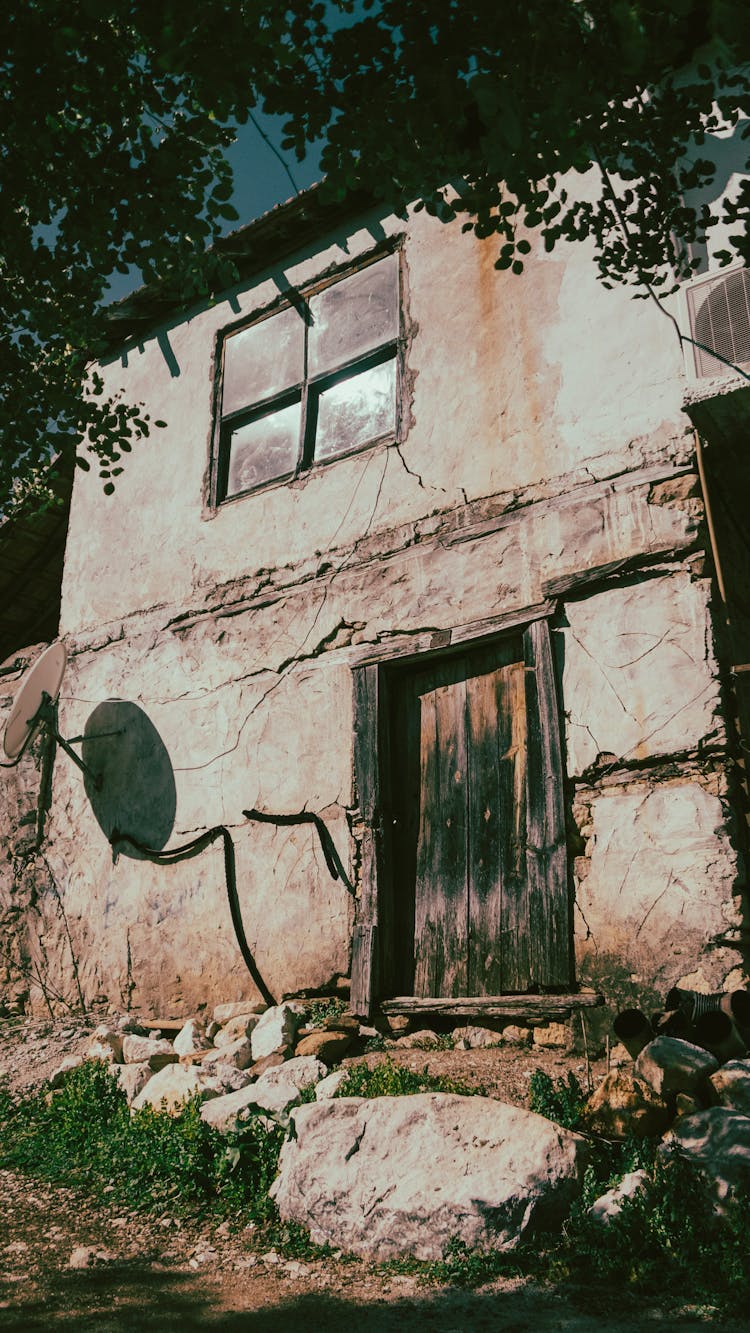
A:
{"x": 133, "y": 1079}
{"x": 620, "y": 1057}
{"x": 517, "y": 1035}
{"x": 224, "y": 1112}
{"x": 342, "y": 1023}
{"x": 301, "y": 1072}
{"x": 685, "y": 1103}
{"x": 108, "y": 1043}
{"x": 268, "y": 1062}
{"x": 421, "y": 1040}
{"x": 476, "y": 1038}
{"x": 170, "y": 1088}
{"x": 64, "y": 1068}
{"x": 138, "y": 1050}
{"x": 731, "y": 1085}
{"x": 222, "y": 1078}
{"x": 406, "y": 1175}
{"x": 329, "y": 1086}
{"x": 86, "y": 1256}
{"x": 223, "y": 1012}
{"x": 718, "y": 1142}
{"x": 610, "y": 1204}
{"x": 327, "y": 1046}
{"x": 624, "y": 1104}
{"x": 368, "y": 1033}
{"x": 239, "y": 1026}
{"x": 129, "y": 1023}
{"x": 97, "y": 1051}
{"x": 670, "y": 1064}
{"x": 238, "y": 1053}
{"x": 191, "y": 1038}
{"x": 552, "y": 1035}
{"x": 398, "y": 1024}
{"x": 275, "y": 1031}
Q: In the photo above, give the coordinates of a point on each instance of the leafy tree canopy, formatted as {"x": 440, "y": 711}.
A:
{"x": 117, "y": 115}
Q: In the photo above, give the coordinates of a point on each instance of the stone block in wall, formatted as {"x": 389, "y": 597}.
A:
{"x": 639, "y": 673}
{"x": 659, "y": 891}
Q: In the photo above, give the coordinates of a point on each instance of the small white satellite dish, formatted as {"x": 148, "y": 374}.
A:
{"x": 37, "y": 693}
{"x": 35, "y": 706}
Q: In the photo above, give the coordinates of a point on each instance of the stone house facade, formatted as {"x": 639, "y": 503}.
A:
{"x": 422, "y": 549}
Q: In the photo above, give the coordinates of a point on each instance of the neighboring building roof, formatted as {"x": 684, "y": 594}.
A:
{"x": 279, "y": 232}
{"x": 32, "y": 551}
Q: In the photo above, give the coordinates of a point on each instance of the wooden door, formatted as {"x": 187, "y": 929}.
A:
{"x": 470, "y": 916}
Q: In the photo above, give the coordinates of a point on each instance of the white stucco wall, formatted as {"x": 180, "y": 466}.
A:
{"x": 545, "y": 438}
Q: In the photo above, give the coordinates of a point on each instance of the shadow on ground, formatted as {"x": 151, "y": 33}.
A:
{"x": 136, "y": 1299}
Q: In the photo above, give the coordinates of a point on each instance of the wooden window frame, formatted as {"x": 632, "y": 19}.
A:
{"x": 547, "y": 854}
{"x": 307, "y": 389}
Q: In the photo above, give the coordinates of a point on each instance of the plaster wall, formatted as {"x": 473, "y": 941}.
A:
{"x": 512, "y": 383}
{"x": 545, "y": 444}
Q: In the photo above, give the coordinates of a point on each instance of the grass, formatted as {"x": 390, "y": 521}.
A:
{"x": 85, "y": 1134}
{"x": 666, "y": 1242}
{"x": 388, "y": 1079}
{"x": 562, "y": 1101}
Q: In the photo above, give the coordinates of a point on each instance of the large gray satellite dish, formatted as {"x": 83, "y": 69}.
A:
{"x": 34, "y": 699}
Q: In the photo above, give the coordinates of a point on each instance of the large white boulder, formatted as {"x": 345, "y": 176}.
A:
{"x": 157, "y": 1052}
{"x": 405, "y": 1175}
{"x": 301, "y": 1072}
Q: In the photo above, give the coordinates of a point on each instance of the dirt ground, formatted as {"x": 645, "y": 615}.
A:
{"x": 155, "y": 1275}
{"x": 72, "y": 1265}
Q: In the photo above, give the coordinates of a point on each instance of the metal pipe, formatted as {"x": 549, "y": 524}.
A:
{"x": 716, "y": 1031}
{"x": 699, "y": 458}
{"x": 736, "y": 1004}
{"x": 633, "y": 1029}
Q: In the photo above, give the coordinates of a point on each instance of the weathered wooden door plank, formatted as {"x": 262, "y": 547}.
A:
{"x": 546, "y": 852}
{"x": 498, "y": 900}
{"x": 441, "y": 894}
{"x": 367, "y": 712}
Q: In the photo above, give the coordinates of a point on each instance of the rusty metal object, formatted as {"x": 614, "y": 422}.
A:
{"x": 633, "y": 1029}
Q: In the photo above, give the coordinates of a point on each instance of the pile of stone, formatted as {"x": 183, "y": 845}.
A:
{"x": 246, "y": 1058}
{"x": 693, "y": 1093}
{"x": 378, "y": 1176}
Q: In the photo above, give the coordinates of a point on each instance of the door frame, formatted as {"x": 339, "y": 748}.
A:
{"x": 547, "y": 863}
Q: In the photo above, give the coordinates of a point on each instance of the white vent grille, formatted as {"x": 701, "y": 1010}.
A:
{"x": 719, "y": 313}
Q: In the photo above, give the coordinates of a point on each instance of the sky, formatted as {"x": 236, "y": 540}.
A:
{"x": 260, "y": 181}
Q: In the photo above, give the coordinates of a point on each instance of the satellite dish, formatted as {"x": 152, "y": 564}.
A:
{"x": 35, "y": 706}
{"x": 35, "y": 699}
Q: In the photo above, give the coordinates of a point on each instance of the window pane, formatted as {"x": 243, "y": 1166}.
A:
{"x": 263, "y": 359}
{"x": 354, "y": 316}
{"x": 356, "y": 410}
{"x": 264, "y": 449}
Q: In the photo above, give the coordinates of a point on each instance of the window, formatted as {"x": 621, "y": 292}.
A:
{"x": 315, "y": 380}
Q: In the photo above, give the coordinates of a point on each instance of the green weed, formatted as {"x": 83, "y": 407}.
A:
{"x": 85, "y": 1133}
{"x": 318, "y": 1012}
{"x": 562, "y": 1101}
{"x": 389, "y": 1079}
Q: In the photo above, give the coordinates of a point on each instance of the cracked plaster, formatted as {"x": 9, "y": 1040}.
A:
{"x": 639, "y": 673}
{"x": 236, "y": 630}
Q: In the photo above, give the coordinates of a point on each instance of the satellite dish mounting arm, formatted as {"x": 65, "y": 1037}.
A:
{"x": 46, "y": 714}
